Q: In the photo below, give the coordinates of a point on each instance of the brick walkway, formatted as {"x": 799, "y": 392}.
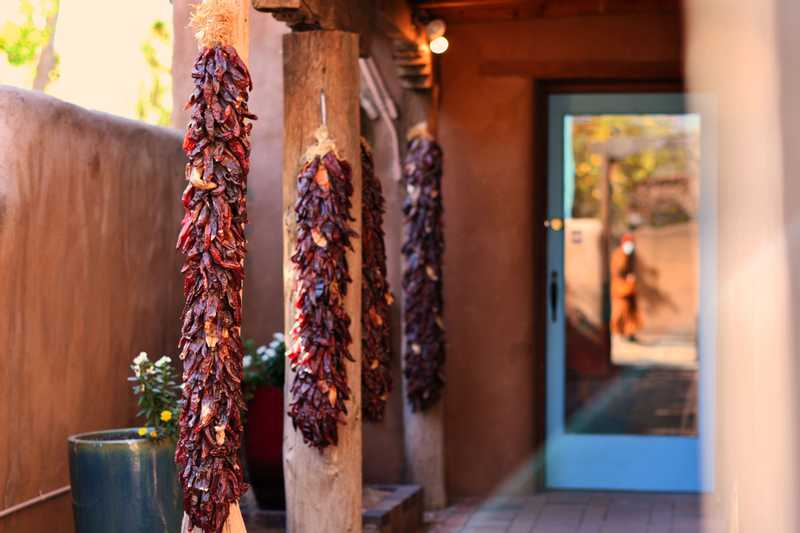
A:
{"x": 575, "y": 512}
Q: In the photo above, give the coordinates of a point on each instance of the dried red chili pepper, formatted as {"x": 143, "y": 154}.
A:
{"x": 422, "y": 276}
{"x": 321, "y": 334}
{"x": 213, "y": 242}
{"x": 376, "y": 375}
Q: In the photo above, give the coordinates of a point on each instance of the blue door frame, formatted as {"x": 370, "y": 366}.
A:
{"x": 629, "y": 462}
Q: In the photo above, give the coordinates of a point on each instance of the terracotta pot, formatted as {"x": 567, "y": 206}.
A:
{"x": 124, "y": 483}
{"x": 263, "y": 447}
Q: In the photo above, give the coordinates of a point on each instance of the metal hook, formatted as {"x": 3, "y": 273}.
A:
{"x": 323, "y": 109}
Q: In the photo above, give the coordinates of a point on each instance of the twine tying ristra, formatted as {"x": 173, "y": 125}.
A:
{"x": 213, "y": 22}
{"x": 419, "y": 131}
{"x": 323, "y": 145}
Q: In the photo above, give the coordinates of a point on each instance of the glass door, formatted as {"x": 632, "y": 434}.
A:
{"x": 630, "y": 304}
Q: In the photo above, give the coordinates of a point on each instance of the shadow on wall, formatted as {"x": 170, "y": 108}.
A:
{"x": 88, "y": 278}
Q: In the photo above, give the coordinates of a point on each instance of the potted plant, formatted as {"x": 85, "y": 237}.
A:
{"x": 263, "y": 391}
{"x": 125, "y": 480}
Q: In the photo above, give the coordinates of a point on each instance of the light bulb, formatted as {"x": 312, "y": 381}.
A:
{"x": 439, "y": 45}
{"x": 435, "y": 28}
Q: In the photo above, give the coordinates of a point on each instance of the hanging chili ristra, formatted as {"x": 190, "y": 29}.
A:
{"x": 321, "y": 334}
{"x": 213, "y": 242}
{"x": 376, "y": 376}
{"x": 422, "y": 275}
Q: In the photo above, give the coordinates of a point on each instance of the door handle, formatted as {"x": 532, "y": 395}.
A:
{"x": 553, "y": 295}
{"x": 555, "y": 224}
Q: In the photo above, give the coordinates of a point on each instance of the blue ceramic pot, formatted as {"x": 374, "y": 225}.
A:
{"x": 124, "y": 483}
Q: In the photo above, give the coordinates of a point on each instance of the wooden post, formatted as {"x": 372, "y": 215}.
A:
{"x": 234, "y": 524}
{"x": 424, "y": 431}
{"x": 241, "y": 41}
{"x": 424, "y": 447}
{"x": 241, "y": 34}
{"x": 323, "y": 489}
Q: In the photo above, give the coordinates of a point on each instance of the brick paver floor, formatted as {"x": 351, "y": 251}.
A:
{"x": 575, "y": 512}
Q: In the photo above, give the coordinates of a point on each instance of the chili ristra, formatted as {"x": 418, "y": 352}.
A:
{"x": 376, "y": 376}
{"x": 320, "y": 335}
{"x": 213, "y": 242}
{"x": 422, "y": 276}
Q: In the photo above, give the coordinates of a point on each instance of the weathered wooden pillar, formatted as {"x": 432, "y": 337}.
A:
{"x": 323, "y": 489}
{"x": 424, "y": 447}
{"x": 424, "y": 430}
{"x": 241, "y": 34}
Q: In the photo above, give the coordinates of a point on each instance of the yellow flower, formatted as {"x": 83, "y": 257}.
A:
{"x": 142, "y": 432}
{"x": 166, "y": 416}
{"x": 153, "y": 434}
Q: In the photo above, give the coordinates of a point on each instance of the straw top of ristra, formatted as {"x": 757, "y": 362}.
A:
{"x": 323, "y": 145}
{"x": 213, "y": 22}
{"x": 366, "y": 146}
{"x": 419, "y": 131}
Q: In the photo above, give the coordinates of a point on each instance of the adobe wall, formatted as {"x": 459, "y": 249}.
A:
{"x": 494, "y": 241}
{"x": 89, "y": 213}
{"x": 754, "y": 104}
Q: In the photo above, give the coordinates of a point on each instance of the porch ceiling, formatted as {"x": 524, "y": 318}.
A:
{"x": 481, "y": 10}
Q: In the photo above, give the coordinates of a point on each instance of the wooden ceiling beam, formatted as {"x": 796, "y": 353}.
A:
{"x": 276, "y": 5}
{"x": 486, "y": 10}
{"x": 365, "y": 18}
{"x": 356, "y": 16}
{"x": 344, "y": 15}
{"x": 463, "y": 4}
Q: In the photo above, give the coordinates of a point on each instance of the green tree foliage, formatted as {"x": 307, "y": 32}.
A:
{"x": 21, "y": 41}
{"x": 27, "y": 38}
{"x": 155, "y": 100}
{"x": 663, "y": 148}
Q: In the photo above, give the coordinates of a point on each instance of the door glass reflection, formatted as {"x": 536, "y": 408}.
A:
{"x": 631, "y": 252}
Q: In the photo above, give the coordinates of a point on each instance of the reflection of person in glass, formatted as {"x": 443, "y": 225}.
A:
{"x": 625, "y": 318}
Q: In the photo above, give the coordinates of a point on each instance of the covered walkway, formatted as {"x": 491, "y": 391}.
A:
{"x": 576, "y": 512}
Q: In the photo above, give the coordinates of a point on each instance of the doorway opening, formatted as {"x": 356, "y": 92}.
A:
{"x": 627, "y": 337}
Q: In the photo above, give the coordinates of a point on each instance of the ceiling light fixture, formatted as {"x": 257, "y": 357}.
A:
{"x": 438, "y": 43}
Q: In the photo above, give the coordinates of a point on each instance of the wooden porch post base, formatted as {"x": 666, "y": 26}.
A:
{"x": 424, "y": 447}
{"x": 235, "y": 523}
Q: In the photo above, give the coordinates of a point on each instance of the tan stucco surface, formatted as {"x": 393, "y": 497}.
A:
{"x": 89, "y": 210}
{"x": 743, "y": 59}
{"x": 494, "y": 238}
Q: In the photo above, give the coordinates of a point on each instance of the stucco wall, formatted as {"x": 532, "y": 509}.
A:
{"x": 494, "y": 242}
{"x": 756, "y": 136}
{"x": 89, "y": 210}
